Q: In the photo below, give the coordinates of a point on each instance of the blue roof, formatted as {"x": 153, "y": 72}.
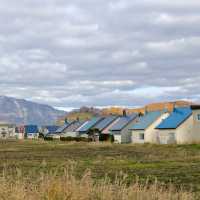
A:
{"x": 31, "y": 129}
{"x": 62, "y": 128}
{"x": 146, "y": 120}
{"x": 123, "y": 122}
{"x": 73, "y": 126}
{"x": 90, "y": 124}
{"x": 52, "y": 129}
{"x": 176, "y": 118}
{"x": 105, "y": 122}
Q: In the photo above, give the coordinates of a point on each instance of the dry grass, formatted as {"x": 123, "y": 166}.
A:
{"x": 67, "y": 187}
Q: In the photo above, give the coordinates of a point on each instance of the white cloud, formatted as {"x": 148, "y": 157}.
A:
{"x": 74, "y": 53}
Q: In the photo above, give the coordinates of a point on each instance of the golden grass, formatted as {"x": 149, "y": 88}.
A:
{"x": 53, "y": 186}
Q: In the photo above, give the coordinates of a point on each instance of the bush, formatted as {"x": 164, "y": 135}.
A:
{"x": 105, "y": 137}
{"x": 77, "y": 139}
{"x": 67, "y": 138}
{"x": 48, "y": 138}
{"x": 41, "y": 136}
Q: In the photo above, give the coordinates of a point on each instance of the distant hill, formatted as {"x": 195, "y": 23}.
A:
{"x": 85, "y": 113}
{"x": 20, "y": 111}
{"x": 150, "y": 107}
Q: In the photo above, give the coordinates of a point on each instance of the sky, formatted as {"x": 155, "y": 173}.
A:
{"x": 100, "y": 53}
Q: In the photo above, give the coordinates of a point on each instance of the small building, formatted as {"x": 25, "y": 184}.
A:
{"x": 86, "y": 130}
{"x": 7, "y": 131}
{"x": 31, "y": 131}
{"x": 51, "y": 129}
{"x": 181, "y": 127}
{"x": 20, "y": 131}
{"x": 144, "y": 130}
{"x": 57, "y": 133}
{"x": 121, "y": 128}
{"x": 71, "y": 129}
{"x": 101, "y": 128}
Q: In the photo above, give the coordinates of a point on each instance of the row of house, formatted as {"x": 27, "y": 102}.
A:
{"x": 11, "y": 131}
{"x": 181, "y": 125}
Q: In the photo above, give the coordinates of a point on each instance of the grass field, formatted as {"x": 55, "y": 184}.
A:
{"x": 177, "y": 165}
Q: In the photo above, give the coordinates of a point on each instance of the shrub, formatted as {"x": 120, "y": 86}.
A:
{"x": 77, "y": 139}
{"x": 48, "y": 138}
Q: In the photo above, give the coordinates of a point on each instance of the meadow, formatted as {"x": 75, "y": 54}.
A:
{"x": 61, "y": 170}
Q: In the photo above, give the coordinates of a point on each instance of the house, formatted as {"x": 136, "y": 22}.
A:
{"x": 20, "y": 131}
{"x": 56, "y": 134}
{"x": 144, "y": 130}
{"x": 86, "y": 130}
{"x": 71, "y": 129}
{"x": 121, "y": 128}
{"x": 49, "y": 129}
{"x": 101, "y": 128}
{"x": 31, "y": 131}
{"x": 181, "y": 127}
{"x": 7, "y": 131}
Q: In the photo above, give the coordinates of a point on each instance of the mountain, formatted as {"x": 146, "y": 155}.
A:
{"x": 20, "y": 111}
{"x": 150, "y": 107}
{"x": 85, "y": 113}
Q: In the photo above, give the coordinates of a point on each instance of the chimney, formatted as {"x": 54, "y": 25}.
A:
{"x": 124, "y": 113}
{"x": 145, "y": 110}
{"x": 173, "y": 106}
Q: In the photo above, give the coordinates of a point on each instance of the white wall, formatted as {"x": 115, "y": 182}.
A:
{"x": 124, "y": 136}
{"x": 184, "y": 134}
{"x": 136, "y": 136}
{"x": 166, "y": 136}
{"x": 150, "y": 133}
{"x": 32, "y": 135}
{"x": 7, "y": 131}
{"x": 69, "y": 134}
{"x": 117, "y": 137}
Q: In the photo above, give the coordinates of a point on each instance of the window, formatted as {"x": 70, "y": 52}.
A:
{"x": 141, "y": 136}
{"x": 198, "y": 117}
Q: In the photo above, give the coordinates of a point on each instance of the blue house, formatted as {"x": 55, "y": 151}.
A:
{"x": 51, "y": 129}
{"x": 144, "y": 130}
{"x": 31, "y": 131}
{"x": 86, "y": 130}
{"x": 182, "y": 126}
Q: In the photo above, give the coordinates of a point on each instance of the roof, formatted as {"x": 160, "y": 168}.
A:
{"x": 73, "y": 126}
{"x": 176, "y": 118}
{"x": 52, "y": 129}
{"x": 90, "y": 124}
{"x": 123, "y": 122}
{"x": 105, "y": 122}
{"x": 195, "y": 107}
{"x": 31, "y": 129}
{"x": 62, "y": 128}
{"x": 80, "y": 127}
{"x": 146, "y": 120}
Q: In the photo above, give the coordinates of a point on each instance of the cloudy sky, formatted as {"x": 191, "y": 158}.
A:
{"x": 100, "y": 52}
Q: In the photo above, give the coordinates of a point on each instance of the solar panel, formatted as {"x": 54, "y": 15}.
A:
{"x": 90, "y": 124}
{"x": 105, "y": 122}
{"x": 123, "y": 121}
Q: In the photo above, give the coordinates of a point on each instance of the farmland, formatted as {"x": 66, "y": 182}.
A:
{"x": 177, "y": 165}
